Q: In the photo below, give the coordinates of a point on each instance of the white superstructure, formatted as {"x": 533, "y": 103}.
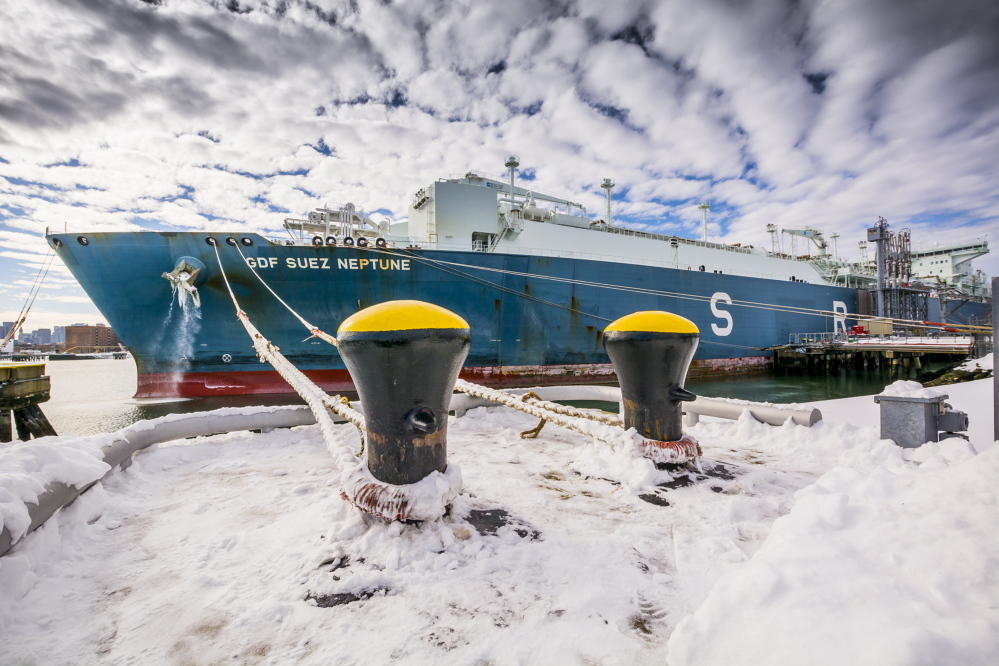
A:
{"x": 485, "y": 214}
{"x": 949, "y": 267}
{"x": 476, "y": 212}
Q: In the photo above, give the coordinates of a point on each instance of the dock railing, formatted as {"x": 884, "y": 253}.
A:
{"x": 983, "y": 343}
{"x": 824, "y": 338}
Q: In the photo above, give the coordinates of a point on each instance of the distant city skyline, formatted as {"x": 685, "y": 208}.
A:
{"x": 126, "y": 115}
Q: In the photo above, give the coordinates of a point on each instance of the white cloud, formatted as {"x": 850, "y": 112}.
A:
{"x": 820, "y": 113}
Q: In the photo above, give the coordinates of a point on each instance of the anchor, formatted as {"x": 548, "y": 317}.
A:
{"x": 182, "y": 279}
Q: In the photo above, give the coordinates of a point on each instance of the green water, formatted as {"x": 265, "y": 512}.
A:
{"x": 793, "y": 388}
{"x": 766, "y": 387}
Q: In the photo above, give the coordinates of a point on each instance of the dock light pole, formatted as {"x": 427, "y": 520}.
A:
{"x": 651, "y": 352}
{"x": 404, "y": 358}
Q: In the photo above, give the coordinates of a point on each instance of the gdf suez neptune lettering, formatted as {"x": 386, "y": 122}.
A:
{"x": 324, "y": 262}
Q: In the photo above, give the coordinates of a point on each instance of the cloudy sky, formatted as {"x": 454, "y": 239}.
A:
{"x": 196, "y": 114}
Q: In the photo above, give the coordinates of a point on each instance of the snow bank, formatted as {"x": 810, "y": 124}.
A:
{"x": 895, "y": 565}
{"x": 27, "y": 467}
{"x": 795, "y": 545}
{"x": 983, "y": 363}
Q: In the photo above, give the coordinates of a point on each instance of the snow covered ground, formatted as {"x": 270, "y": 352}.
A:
{"x": 796, "y": 546}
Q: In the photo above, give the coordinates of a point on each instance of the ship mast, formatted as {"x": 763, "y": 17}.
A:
{"x": 512, "y": 162}
{"x": 607, "y": 186}
{"x": 704, "y": 219}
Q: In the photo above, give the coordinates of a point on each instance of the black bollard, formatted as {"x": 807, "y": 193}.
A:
{"x": 404, "y": 358}
{"x": 651, "y": 352}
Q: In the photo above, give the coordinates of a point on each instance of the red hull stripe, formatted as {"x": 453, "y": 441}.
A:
{"x": 207, "y": 384}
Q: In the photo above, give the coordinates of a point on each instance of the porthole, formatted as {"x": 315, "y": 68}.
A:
{"x": 82, "y": 240}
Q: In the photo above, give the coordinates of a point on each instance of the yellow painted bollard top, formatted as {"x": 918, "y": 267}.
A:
{"x": 401, "y": 316}
{"x": 653, "y": 321}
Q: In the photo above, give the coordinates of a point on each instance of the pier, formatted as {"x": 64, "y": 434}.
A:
{"x": 817, "y": 353}
{"x": 23, "y": 386}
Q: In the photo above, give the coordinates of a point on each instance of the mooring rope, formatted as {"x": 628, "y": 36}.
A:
{"x": 318, "y": 401}
{"x": 686, "y": 450}
{"x": 566, "y": 410}
{"x": 315, "y": 330}
{"x": 36, "y": 286}
{"x": 426, "y": 499}
{"x": 551, "y": 407}
{"x": 582, "y": 421}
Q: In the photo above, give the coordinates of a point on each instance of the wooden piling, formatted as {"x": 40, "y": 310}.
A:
{"x": 23, "y": 386}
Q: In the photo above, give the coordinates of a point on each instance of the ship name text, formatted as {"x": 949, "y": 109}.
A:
{"x": 325, "y": 262}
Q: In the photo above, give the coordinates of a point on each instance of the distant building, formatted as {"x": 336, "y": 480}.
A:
{"x": 58, "y": 335}
{"x": 5, "y": 329}
{"x": 84, "y": 338}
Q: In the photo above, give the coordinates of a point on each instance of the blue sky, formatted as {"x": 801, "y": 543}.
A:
{"x": 127, "y": 114}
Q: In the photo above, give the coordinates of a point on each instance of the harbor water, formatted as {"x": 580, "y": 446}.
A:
{"x": 94, "y": 396}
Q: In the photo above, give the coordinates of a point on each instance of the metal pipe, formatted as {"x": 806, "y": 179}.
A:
{"x": 770, "y": 414}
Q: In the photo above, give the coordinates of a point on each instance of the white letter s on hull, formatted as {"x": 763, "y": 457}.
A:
{"x": 721, "y": 296}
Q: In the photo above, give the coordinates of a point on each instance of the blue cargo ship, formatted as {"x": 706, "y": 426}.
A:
{"x": 536, "y": 278}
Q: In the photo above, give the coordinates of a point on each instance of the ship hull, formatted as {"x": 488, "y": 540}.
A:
{"x": 534, "y": 320}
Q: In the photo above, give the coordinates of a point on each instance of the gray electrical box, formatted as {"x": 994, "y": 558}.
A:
{"x": 911, "y": 422}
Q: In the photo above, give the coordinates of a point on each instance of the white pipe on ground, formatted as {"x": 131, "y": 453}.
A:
{"x": 770, "y": 414}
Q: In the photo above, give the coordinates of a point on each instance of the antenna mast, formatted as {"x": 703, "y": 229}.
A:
{"x": 607, "y": 186}
{"x": 512, "y": 162}
{"x": 704, "y": 219}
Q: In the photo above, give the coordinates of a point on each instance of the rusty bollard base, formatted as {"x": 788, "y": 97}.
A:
{"x": 686, "y": 449}
{"x": 404, "y": 358}
{"x": 651, "y": 352}
{"x": 426, "y": 499}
